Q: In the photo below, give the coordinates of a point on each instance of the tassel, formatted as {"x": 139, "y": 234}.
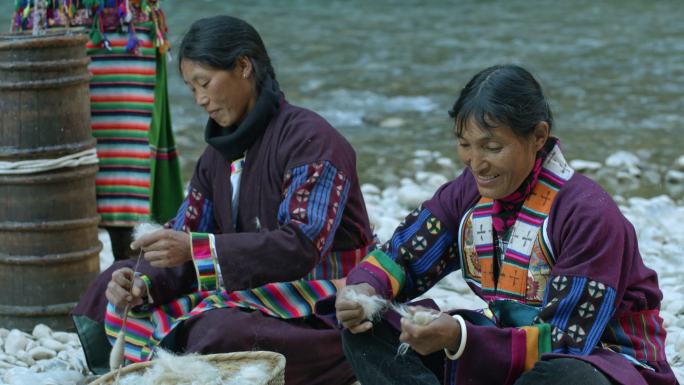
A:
{"x": 95, "y": 35}
{"x": 133, "y": 41}
{"x": 129, "y": 15}
{"x": 145, "y": 228}
{"x": 27, "y": 12}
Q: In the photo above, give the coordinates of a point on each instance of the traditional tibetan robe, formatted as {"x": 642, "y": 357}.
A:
{"x": 272, "y": 232}
{"x": 566, "y": 280}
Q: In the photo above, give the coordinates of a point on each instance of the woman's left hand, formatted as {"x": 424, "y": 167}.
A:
{"x": 443, "y": 332}
{"x": 165, "y": 248}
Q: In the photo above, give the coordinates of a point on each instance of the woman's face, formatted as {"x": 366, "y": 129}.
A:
{"x": 499, "y": 159}
{"x": 226, "y": 95}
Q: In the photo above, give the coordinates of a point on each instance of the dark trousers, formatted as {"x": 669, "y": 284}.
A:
{"x": 373, "y": 357}
{"x": 121, "y": 238}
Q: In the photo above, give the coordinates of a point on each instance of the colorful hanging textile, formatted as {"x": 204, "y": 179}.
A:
{"x": 139, "y": 177}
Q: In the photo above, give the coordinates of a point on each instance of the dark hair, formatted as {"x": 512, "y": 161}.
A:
{"x": 503, "y": 94}
{"x": 219, "y": 41}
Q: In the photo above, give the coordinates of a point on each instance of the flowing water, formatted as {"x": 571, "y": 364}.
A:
{"x": 385, "y": 73}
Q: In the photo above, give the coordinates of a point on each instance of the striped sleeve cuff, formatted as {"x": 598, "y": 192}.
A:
{"x": 205, "y": 261}
{"x": 538, "y": 342}
{"x": 143, "y": 310}
{"x": 389, "y": 274}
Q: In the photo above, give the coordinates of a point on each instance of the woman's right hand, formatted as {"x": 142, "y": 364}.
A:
{"x": 125, "y": 288}
{"x": 350, "y": 313}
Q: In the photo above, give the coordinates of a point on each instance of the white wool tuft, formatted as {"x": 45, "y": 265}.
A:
{"x": 256, "y": 373}
{"x": 417, "y": 316}
{"x": 170, "y": 369}
{"x": 372, "y": 305}
{"x": 145, "y": 228}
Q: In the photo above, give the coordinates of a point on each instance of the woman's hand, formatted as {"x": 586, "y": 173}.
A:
{"x": 165, "y": 248}
{"x": 125, "y": 288}
{"x": 350, "y": 313}
{"x": 443, "y": 332}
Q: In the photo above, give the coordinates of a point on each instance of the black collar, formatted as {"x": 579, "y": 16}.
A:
{"x": 234, "y": 141}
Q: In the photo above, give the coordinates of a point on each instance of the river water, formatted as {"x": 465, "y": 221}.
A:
{"x": 386, "y": 72}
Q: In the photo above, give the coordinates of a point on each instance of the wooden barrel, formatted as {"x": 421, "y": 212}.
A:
{"x": 49, "y": 247}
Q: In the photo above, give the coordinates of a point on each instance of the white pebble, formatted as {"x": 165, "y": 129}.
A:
{"x": 52, "y": 344}
{"x": 41, "y": 353}
{"x": 4, "y": 332}
{"x": 23, "y": 356}
{"x": 370, "y": 189}
{"x": 64, "y": 337}
{"x": 445, "y": 162}
{"x": 31, "y": 344}
{"x": 622, "y": 159}
{"x": 41, "y": 331}
{"x": 392, "y": 122}
{"x": 8, "y": 358}
{"x": 585, "y": 166}
{"x": 674, "y": 176}
{"x": 679, "y": 163}
{"x": 21, "y": 376}
{"x": 15, "y": 342}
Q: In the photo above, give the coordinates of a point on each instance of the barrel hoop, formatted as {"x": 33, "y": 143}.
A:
{"x": 34, "y": 166}
{"x": 33, "y": 311}
{"x": 48, "y": 65}
{"x": 51, "y": 83}
{"x": 54, "y": 176}
{"x": 51, "y": 259}
{"x": 50, "y": 225}
{"x": 14, "y": 153}
{"x": 74, "y": 37}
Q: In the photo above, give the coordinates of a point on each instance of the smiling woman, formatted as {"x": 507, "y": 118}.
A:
{"x": 570, "y": 300}
{"x": 273, "y": 221}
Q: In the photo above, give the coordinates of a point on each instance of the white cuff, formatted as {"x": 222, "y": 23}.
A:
{"x": 464, "y": 336}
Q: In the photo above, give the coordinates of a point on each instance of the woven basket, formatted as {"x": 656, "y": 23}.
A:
{"x": 226, "y": 363}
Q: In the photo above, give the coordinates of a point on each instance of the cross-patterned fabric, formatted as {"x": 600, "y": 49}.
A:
{"x": 313, "y": 197}
{"x": 511, "y": 282}
{"x": 420, "y": 242}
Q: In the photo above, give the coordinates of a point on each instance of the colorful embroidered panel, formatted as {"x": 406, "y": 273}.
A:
{"x": 314, "y": 197}
{"x": 512, "y": 280}
{"x": 196, "y": 213}
{"x": 639, "y": 335}
{"x": 144, "y": 332}
{"x": 538, "y": 271}
{"x": 579, "y": 310}
{"x": 420, "y": 253}
{"x": 338, "y": 264}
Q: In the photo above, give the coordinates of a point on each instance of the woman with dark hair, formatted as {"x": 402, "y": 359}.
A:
{"x": 569, "y": 298}
{"x": 274, "y": 219}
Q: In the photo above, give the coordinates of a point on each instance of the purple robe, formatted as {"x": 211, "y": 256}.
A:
{"x": 300, "y": 205}
{"x": 597, "y": 281}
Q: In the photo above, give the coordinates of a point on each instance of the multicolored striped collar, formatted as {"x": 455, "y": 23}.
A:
{"x": 512, "y": 278}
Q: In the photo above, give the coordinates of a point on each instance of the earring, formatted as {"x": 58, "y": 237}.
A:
{"x": 244, "y": 75}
